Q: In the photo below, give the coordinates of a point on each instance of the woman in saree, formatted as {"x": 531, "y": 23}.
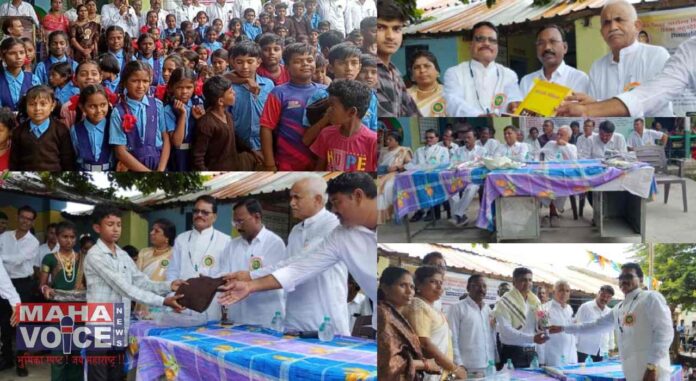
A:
{"x": 154, "y": 260}
{"x": 427, "y": 90}
{"x": 399, "y": 357}
{"x": 430, "y": 323}
{"x": 392, "y": 160}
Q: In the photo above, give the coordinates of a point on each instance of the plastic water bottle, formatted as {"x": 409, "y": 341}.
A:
{"x": 563, "y": 361}
{"x": 490, "y": 370}
{"x": 277, "y": 323}
{"x": 326, "y": 332}
{"x": 605, "y": 356}
{"x": 588, "y": 360}
{"x": 508, "y": 366}
{"x": 535, "y": 362}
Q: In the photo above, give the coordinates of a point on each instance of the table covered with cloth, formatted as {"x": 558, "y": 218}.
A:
{"x": 217, "y": 352}
{"x": 599, "y": 371}
{"x": 422, "y": 189}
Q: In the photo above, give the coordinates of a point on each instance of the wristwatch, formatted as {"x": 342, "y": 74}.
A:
{"x": 651, "y": 367}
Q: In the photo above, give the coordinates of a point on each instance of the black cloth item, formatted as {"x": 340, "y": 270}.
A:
{"x": 199, "y": 292}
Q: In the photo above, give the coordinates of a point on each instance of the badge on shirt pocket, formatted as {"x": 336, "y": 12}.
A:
{"x": 208, "y": 261}
{"x": 255, "y": 263}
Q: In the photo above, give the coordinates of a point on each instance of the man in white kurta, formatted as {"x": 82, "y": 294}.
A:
{"x": 448, "y": 142}
{"x": 584, "y": 142}
{"x": 560, "y": 349}
{"x": 49, "y": 247}
{"x": 644, "y": 325}
{"x": 431, "y": 154}
{"x": 595, "y": 345}
{"x": 512, "y": 149}
{"x": 560, "y": 149}
{"x": 487, "y": 142}
{"x": 551, "y": 48}
{"x": 466, "y": 153}
{"x": 118, "y": 13}
{"x": 356, "y": 11}
{"x": 200, "y": 252}
{"x": 222, "y": 10}
{"x": 641, "y": 137}
{"x": 630, "y": 62}
{"x": 256, "y": 248}
{"x": 473, "y": 333}
{"x": 607, "y": 143}
{"x": 481, "y": 86}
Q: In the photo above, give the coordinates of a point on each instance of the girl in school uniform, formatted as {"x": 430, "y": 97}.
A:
{"x": 171, "y": 63}
{"x": 149, "y": 54}
{"x": 14, "y": 81}
{"x": 180, "y": 116}
{"x": 137, "y": 125}
{"x": 117, "y": 42}
{"x": 90, "y": 135}
{"x": 58, "y": 52}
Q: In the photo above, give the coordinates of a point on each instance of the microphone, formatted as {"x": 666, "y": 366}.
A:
{"x": 66, "y": 329}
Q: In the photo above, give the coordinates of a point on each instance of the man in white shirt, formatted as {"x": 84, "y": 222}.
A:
{"x": 119, "y": 13}
{"x": 448, "y": 141}
{"x": 481, "y": 86}
{"x": 645, "y": 328}
{"x": 19, "y": 8}
{"x": 595, "y": 345}
{"x": 18, "y": 251}
{"x": 460, "y": 204}
{"x": 358, "y": 303}
{"x": 560, "y": 349}
{"x": 515, "y": 315}
{"x": 9, "y": 293}
{"x": 241, "y": 5}
{"x": 607, "y": 143}
{"x": 49, "y": 247}
{"x": 641, "y": 137}
{"x": 333, "y": 11}
{"x": 199, "y": 252}
{"x": 257, "y": 248}
{"x": 560, "y": 149}
{"x": 356, "y": 11}
{"x": 473, "y": 334}
{"x": 430, "y": 155}
{"x": 551, "y": 48}
{"x": 584, "y": 142}
{"x": 488, "y": 143}
{"x": 185, "y": 12}
{"x": 511, "y": 149}
{"x": 353, "y": 197}
{"x": 71, "y": 13}
{"x": 221, "y": 10}
{"x": 3, "y": 222}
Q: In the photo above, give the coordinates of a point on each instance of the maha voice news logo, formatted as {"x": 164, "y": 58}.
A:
{"x": 70, "y": 326}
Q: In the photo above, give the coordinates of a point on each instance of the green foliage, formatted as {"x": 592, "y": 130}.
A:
{"x": 675, "y": 268}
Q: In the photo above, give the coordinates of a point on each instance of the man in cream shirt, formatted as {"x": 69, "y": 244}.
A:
{"x": 481, "y": 86}
{"x": 560, "y": 349}
{"x": 641, "y": 137}
{"x": 595, "y": 345}
{"x": 465, "y": 153}
{"x": 551, "y": 48}
{"x": 471, "y": 321}
{"x": 199, "y": 251}
{"x": 607, "y": 143}
{"x": 644, "y": 324}
{"x": 630, "y": 62}
{"x": 584, "y": 142}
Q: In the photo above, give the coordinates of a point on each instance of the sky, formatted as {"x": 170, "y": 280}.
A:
{"x": 101, "y": 181}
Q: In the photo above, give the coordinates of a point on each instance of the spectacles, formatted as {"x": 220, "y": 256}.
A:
{"x": 628, "y": 276}
{"x": 491, "y": 40}
{"x": 204, "y": 213}
{"x": 544, "y": 42}
{"x": 239, "y": 222}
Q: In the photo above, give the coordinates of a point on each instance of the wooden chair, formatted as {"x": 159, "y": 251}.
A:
{"x": 363, "y": 327}
{"x": 656, "y": 157}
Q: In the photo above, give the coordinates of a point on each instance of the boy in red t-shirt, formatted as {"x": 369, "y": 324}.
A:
{"x": 347, "y": 145}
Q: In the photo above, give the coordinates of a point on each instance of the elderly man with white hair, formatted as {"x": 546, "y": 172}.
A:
{"x": 560, "y": 349}
{"x": 560, "y": 149}
{"x": 325, "y": 294}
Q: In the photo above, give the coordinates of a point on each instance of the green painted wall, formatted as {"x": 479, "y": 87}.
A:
{"x": 589, "y": 42}
{"x": 135, "y": 230}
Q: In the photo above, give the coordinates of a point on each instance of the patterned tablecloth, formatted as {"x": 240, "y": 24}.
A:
{"x": 600, "y": 371}
{"x": 216, "y": 352}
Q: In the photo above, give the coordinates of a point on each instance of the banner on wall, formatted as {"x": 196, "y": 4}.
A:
{"x": 669, "y": 29}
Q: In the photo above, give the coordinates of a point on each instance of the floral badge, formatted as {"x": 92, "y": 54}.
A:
{"x": 208, "y": 261}
{"x": 74, "y": 100}
{"x": 129, "y": 122}
{"x": 629, "y": 319}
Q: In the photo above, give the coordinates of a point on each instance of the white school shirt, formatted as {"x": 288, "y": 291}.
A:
{"x": 616, "y": 145}
{"x": 518, "y": 151}
{"x": 560, "y": 344}
{"x": 224, "y": 13}
{"x": 356, "y": 247}
{"x": 359, "y": 306}
{"x": 18, "y": 255}
{"x": 490, "y": 146}
{"x": 428, "y": 156}
{"x": 357, "y": 11}
{"x": 565, "y": 75}
{"x": 584, "y": 146}
{"x": 592, "y": 343}
{"x": 473, "y": 336}
{"x": 644, "y": 339}
{"x": 266, "y": 249}
{"x": 24, "y": 9}
{"x": 463, "y": 154}
{"x": 111, "y": 16}
{"x": 678, "y": 74}
{"x": 43, "y": 250}
{"x": 638, "y": 63}
{"x": 464, "y": 81}
{"x": 333, "y": 11}
{"x": 7, "y": 290}
{"x": 324, "y": 294}
{"x": 648, "y": 138}
{"x": 552, "y": 151}
{"x": 520, "y": 337}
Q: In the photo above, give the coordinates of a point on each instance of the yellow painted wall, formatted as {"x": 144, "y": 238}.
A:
{"x": 415, "y": 133}
{"x": 463, "y": 50}
{"x": 499, "y": 124}
{"x": 135, "y": 230}
{"x": 523, "y": 46}
{"x": 590, "y": 45}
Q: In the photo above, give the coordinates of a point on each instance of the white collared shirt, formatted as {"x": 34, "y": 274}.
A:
{"x": 564, "y": 75}
{"x": 463, "y": 154}
{"x": 266, "y": 249}
{"x": 333, "y": 11}
{"x": 453, "y": 146}
{"x": 471, "y": 88}
{"x": 490, "y": 146}
{"x": 241, "y": 5}
{"x": 677, "y": 76}
{"x": 186, "y": 13}
{"x": 197, "y": 253}
{"x": 224, "y": 13}
{"x": 554, "y": 152}
{"x": 359, "y": 306}
{"x": 519, "y": 337}
{"x": 357, "y": 11}
{"x": 24, "y": 9}
{"x": 648, "y": 138}
{"x": 517, "y": 151}
{"x": 7, "y": 290}
{"x": 428, "y": 156}
{"x": 616, "y": 145}
{"x": 638, "y": 63}
{"x": 18, "y": 255}
{"x": 593, "y": 343}
{"x": 43, "y": 250}
{"x": 473, "y": 336}
{"x": 110, "y": 15}
{"x": 584, "y": 146}
{"x": 324, "y": 294}
{"x": 561, "y": 344}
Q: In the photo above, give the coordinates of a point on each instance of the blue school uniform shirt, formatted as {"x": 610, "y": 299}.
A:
{"x": 95, "y": 132}
{"x": 64, "y": 93}
{"x": 15, "y": 83}
{"x": 39, "y": 129}
{"x": 369, "y": 120}
{"x": 246, "y": 111}
{"x": 170, "y": 117}
{"x": 201, "y": 29}
{"x": 315, "y": 20}
{"x": 41, "y": 68}
{"x": 171, "y": 32}
{"x": 212, "y": 46}
{"x": 151, "y": 61}
{"x": 116, "y": 134}
{"x": 251, "y": 30}
{"x": 111, "y": 85}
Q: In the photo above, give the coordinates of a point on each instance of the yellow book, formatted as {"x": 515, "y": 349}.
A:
{"x": 543, "y": 99}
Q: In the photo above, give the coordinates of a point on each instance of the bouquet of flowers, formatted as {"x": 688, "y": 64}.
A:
{"x": 542, "y": 318}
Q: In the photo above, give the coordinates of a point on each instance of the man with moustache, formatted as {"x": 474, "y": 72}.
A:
{"x": 471, "y": 322}
{"x": 645, "y": 329}
{"x": 199, "y": 251}
{"x": 641, "y": 137}
{"x": 481, "y": 86}
{"x": 470, "y": 151}
{"x": 551, "y": 48}
{"x": 595, "y": 345}
{"x": 584, "y": 142}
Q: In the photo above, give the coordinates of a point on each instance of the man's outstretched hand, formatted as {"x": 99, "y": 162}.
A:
{"x": 555, "y": 329}
{"x": 540, "y": 338}
{"x": 235, "y": 291}
{"x": 173, "y": 302}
